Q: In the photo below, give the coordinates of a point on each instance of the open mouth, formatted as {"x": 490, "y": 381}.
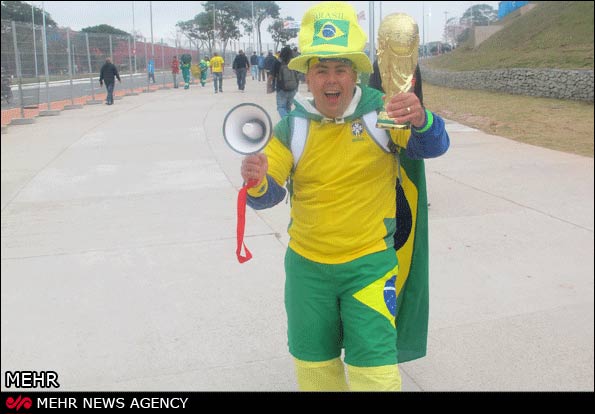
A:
{"x": 332, "y": 97}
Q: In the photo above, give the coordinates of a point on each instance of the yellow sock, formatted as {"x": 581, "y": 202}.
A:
{"x": 321, "y": 376}
{"x": 383, "y": 378}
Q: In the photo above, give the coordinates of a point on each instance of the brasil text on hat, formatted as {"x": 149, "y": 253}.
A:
{"x": 330, "y": 30}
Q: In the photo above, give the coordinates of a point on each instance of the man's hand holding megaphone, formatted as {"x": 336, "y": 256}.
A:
{"x": 247, "y": 129}
{"x": 254, "y": 168}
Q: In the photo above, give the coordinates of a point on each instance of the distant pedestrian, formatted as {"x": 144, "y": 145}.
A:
{"x": 269, "y": 64}
{"x": 204, "y": 70}
{"x": 175, "y": 70}
{"x": 108, "y": 74}
{"x": 185, "y": 66}
{"x": 151, "y": 70}
{"x": 240, "y": 67}
{"x": 254, "y": 65}
{"x": 261, "y": 71}
{"x": 286, "y": 81}
{"x": 217, "y": 64}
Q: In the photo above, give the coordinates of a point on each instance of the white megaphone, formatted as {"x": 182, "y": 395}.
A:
{"x": 247, "y": 128}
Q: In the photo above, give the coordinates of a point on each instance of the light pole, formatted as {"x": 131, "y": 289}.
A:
{"x": 34, "y": 45}
{"x": 372, "y": 51}
{"x": 151, "y": 13}
{"x": 214, "y": 28}
{"x": 253, "y": 30}
{"x": 429, "y": 21}
{"x": 446, "y": 27}
{"x": 133, "y": 38}
{"x": 45, "y": 57}
{"x": 423, "y": 28}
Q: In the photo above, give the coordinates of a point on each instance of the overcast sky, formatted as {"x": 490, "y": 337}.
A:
{"x": 79, "y": 14}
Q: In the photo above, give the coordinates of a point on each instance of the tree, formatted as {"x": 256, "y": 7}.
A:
{"x": 190, "y": 28}
{"x": 437, "y": 48}
{"x": 479, "y": 15}
{"x": 452, "y": 31}
{"x": 262, "y": 11}
{"x": 280, "y": 34}
{"x": 463, "y": 36}
{"x": 228, "y": 15}
{"x": 199, "y": 30}
{"x": 104, "y": 28}
{"x": 225, "y": 17}
{"x": 21, "y": 12}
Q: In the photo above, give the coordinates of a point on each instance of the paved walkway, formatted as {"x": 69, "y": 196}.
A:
{"x": 119, "y": 268}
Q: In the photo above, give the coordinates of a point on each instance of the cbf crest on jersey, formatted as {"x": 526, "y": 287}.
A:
{"x": 357, "y": 128}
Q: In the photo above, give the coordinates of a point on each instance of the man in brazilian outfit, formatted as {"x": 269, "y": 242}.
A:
{"x": 341, "y": 268}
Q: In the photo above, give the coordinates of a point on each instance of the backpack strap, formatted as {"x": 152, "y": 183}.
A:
{"x": 299, "y": 134}
{"x": 380, "y": 136}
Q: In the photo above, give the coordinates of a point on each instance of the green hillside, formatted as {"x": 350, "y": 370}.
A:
{"x": 557, "y": 34}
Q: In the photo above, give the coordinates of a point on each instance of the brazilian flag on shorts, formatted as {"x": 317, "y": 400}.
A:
{"x": 411, "y": 243}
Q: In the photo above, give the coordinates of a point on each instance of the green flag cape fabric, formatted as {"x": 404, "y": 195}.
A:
{"x": 411, "y": 243}
{"x": 412, "y": 252}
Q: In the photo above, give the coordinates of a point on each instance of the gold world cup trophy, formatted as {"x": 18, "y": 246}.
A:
{"x": 398, "y": 42}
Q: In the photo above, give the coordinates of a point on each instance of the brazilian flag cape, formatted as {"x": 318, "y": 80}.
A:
{"x": 411, "y": 243}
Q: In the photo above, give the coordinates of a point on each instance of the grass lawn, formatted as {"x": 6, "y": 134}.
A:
{"x": 560, "y": 125}
{"x": 556, "y": 34}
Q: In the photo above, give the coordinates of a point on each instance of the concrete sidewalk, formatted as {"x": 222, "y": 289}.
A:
{"x": 119, "y": 268}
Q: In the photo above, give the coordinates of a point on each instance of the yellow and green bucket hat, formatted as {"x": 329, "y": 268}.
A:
{"x": 330, "y": 30}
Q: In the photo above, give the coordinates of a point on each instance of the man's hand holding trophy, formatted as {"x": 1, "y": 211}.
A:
{"x": 398, "y": 42}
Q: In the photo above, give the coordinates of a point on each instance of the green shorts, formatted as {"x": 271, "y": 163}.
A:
{"x": 349, "y": 305}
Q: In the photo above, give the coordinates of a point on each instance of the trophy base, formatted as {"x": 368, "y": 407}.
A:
{"x": 384, "y": 122}
{"x": 390, "y": 124}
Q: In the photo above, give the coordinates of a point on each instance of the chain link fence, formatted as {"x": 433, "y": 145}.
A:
{"x": 59, "y": 69}
{"x": 51, "y": 70}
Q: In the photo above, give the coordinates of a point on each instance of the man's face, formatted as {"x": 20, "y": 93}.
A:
{"x": 332, "y": 84}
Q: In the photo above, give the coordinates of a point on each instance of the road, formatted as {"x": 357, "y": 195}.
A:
{"x": 34, "y": 94}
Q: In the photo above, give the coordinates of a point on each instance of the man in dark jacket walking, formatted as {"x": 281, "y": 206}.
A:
{"x": 108, "y": 74}
{"x": 240, "y": 67}
{"x": 269, "y": 64}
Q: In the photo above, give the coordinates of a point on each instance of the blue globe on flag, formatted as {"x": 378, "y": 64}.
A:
{"x": 390, "y": 295}
{"x": 328, "y": 30}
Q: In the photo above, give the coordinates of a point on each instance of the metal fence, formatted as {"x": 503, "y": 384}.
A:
{"x": 55, "y": 68}
{"x": 88, "y": 51}
{"x": 32, "y": 59}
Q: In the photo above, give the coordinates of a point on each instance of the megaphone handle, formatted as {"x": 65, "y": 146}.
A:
{"x": 242, "y": 195}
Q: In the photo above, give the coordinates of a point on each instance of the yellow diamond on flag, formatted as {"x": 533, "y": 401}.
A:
{"x": 381, "y": 295}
